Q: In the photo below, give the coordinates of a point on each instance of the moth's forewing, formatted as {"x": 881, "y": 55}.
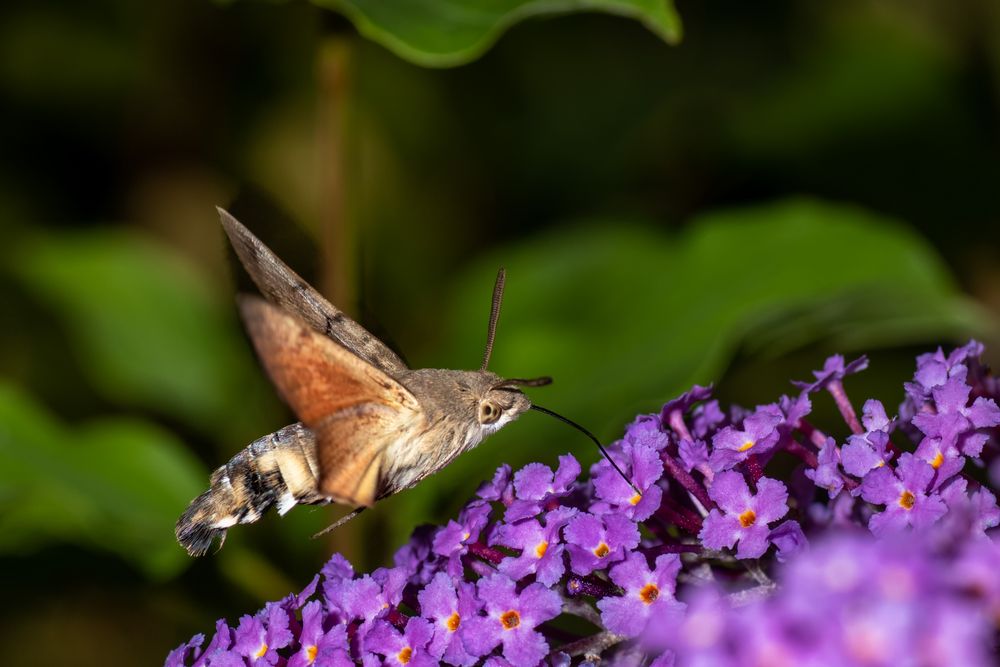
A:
{"x": 283, "y": 287}
{"x": 355, "y": 410}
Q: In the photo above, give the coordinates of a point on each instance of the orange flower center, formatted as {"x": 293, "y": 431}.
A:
{"x": 541, "y": 548}
{"x": 311, "y": 652}
{"x": 906, "y": 500}
{"x": 748, "y": 518}
{"x": 405, "y": 655}
{"x": 261, "y": 651}
{"x": 937, "y": 460}
{"x": 510, "y": 620}
{"x": 745, "y": 446}
{"x": 602, "y": 550}
{"x": 649, "y": 593}
{"x": 453, "y": 622}
{"x": 635, "y": 499}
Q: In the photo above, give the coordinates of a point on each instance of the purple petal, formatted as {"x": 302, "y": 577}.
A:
{"x": 858, "y": 456}
{"x": 480, "y": 634}
{"x": 730, "y": 492}
{"x": 498, "y": 488}
{"x": 533, "y": 481}
{"x": 771, "y": 501}
{"x": 753, "y": 541}
{"x": 719, "y": 531}
{"x": 789, "y": 539}
{"x": 632, "y": 573}
{"x": 873, "y": 416}
{"x": 524, "y": 648}
{"x": 881, "y": 487}
{"x": 892, "y": 520}
{"x": 693, "y": 453}
{"x": 539, "y": 604}
{"x": 984, "y": 413}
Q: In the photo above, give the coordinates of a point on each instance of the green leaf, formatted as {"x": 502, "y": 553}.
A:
{"x": 146, "y": 328}
{"x": 442, "y": 33}
{"x": 625, "y": 317}
{"x": 116, "y": 484}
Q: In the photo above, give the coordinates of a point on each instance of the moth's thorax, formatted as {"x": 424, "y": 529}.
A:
{"x": 450, "y": 401}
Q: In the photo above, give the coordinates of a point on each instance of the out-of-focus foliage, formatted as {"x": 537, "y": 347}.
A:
{"x": 148, "y": 330}
{"x": 769, "y": 278}
{"x": 448, "y": 32}
{"x": 113, "y": 483}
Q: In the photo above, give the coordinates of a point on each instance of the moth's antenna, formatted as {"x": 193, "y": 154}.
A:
{"x": 494, "y": 316}
{"x": 592, "y": 437}
{"x": 340, "y": 522}
{"x": 511, "y": 383}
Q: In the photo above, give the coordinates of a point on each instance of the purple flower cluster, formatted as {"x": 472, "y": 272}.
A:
{"x": 882, "y": 532}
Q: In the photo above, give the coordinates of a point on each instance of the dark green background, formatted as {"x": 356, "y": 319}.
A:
{"x": 791, "y": 180}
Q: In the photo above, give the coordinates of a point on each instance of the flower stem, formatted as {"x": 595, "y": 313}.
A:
{"x": 590, "y": 585}
{"x": 592, "y": 647}
{"x": 486, "y": 553}
{"x": 836, "y": 389}
{"x": 684, "y": 478}
{"x": 796, "y": 448}
{"x": 676, "y": 422}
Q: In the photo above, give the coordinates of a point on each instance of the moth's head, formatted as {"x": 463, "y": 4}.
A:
{"x": 501, "y": 401}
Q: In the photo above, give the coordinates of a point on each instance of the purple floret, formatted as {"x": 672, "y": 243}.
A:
{"x": 446, "y": 605}
{"x": 905, "y": 491}
{"x": 827, "y": 474}
{"x": 318, "y": 647}
{"x": 647, "y": 592}
{"x": 833, "y": 370}
{"x": 454, "y": 539}
{"x": 408, "y": 647}
{"x": 535, "y": 486}
{"x": 510, "y": 620}
{"x": 499, "y": 488}
{"x": 541, "y": 547}
{"x": 742, "y": 517}
{"x": 643, "y": 466}
{"x": 758, "y": 436}
{"x": 954, "y": 421}
{"x": 595, "y": 542}
{"x": 258, "y": 638}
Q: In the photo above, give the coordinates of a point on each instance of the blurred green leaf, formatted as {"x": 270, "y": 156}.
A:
{"x": 856, "y": 79}
{"x": 624, "y": 317}
{"x": 116, "y": 484}
{"x": 441, "y": 33}
{"x": 147, "y": 329}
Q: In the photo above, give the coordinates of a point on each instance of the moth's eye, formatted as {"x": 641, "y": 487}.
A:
{"x": 489, "y": 412}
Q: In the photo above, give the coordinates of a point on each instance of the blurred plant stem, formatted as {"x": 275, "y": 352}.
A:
{"x": 337, "y": 157}
{"x": 337, "y": 207}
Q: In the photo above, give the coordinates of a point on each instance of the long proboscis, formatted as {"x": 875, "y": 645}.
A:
{"x": 590, "y": 435}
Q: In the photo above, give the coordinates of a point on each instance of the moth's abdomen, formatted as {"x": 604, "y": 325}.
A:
{"x": 278, "y": 469}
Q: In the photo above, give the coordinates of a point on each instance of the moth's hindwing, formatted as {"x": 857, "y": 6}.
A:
{"x": 355, "y": 410}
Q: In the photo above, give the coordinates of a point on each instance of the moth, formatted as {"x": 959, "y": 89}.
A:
{"x": 370, "y": 426}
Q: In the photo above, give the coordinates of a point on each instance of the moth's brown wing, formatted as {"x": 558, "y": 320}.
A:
{"x": 355, "y": 410}
{"x": 285, "y": 288}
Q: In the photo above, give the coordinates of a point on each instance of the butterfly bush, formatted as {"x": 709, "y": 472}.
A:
{"x": 743, "y": 537}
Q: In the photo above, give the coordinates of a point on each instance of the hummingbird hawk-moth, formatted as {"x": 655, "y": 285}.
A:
{"x": 370, "y": 426}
